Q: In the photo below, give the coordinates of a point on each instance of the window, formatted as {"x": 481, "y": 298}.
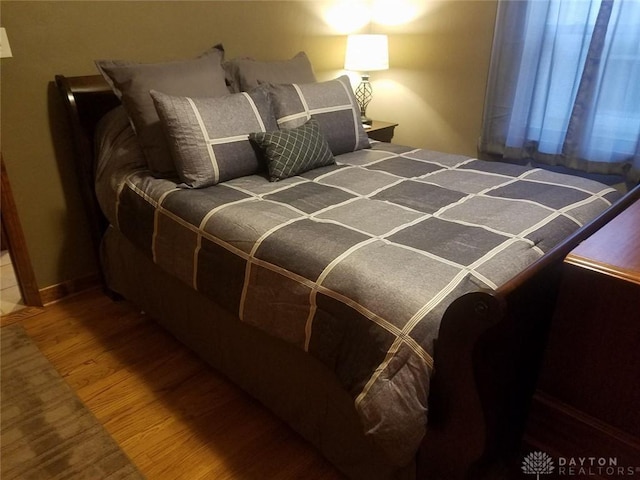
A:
{"x": 564, "y": 85}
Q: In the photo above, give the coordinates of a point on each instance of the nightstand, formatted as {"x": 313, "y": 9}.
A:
{"x": 381, "y": 131}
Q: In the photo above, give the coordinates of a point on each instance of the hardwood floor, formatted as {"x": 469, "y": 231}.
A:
{"x": 171, "y": 414}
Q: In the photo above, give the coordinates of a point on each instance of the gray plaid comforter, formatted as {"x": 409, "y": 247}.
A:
{"x": 356, "y": 263}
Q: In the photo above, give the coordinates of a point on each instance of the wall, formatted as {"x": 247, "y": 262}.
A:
{"x": 435, "y": 87}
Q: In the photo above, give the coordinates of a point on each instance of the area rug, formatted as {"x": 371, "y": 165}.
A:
{"x": 46, "y": 431}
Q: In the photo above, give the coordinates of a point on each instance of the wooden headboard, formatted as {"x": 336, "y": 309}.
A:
{"x": 87, "y": 99}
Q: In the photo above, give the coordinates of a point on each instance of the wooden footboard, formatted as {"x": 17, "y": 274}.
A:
{"x": 458, "y": 432}
{"x": 487, "y": 358}
{"x": 489, "y": 344}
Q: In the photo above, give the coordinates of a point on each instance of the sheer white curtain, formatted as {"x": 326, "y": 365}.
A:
{"x": 564, "y": 85}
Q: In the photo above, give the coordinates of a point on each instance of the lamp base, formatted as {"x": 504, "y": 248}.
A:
{"x": 363, "y": 97}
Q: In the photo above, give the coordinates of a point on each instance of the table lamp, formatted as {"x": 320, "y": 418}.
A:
{"x": 366, "y": 53}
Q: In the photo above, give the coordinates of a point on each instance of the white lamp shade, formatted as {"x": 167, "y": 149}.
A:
{"x": 366, "y": 53}
{"x": 5, "y": 49}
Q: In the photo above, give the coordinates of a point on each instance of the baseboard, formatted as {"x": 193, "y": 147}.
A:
{"x": 563, "y": 431}
{"x": 55, "y": 293}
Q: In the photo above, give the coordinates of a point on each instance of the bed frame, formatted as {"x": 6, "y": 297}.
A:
{"x": 489, "y": 347}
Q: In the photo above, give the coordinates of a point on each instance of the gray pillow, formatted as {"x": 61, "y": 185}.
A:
{"x": 209, "y": 137}
{"x": 331, "y": 103}
{"x": 294, "y": 151}
{"x": 244, "y": 74}
{"x": 201, "y": 77}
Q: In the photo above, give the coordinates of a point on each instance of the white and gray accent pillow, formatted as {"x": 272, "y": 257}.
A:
{"x": 131, "y": 82}
{"x": 294, "y": 151}
{"x": 209, "y": 137}
{"x": 331, "y": 103}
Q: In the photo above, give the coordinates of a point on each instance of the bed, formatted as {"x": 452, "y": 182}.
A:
{"x": 388, "y": 303}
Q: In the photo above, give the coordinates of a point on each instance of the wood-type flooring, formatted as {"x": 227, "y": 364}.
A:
{"x": 174, "y": 416}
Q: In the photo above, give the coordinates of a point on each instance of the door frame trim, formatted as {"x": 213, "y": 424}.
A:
{"x": 17, "y": 243}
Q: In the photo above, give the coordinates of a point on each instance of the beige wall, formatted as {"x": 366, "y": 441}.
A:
{"x": 434, "y": 88}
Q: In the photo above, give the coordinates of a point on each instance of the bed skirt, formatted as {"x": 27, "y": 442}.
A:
{"x": 292, "y": 384}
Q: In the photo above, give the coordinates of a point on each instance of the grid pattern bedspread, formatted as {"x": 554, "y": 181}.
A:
{"x": 357, "y": 262}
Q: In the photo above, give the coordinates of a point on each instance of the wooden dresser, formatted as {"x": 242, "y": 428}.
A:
{"x": 588, "y": 399}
